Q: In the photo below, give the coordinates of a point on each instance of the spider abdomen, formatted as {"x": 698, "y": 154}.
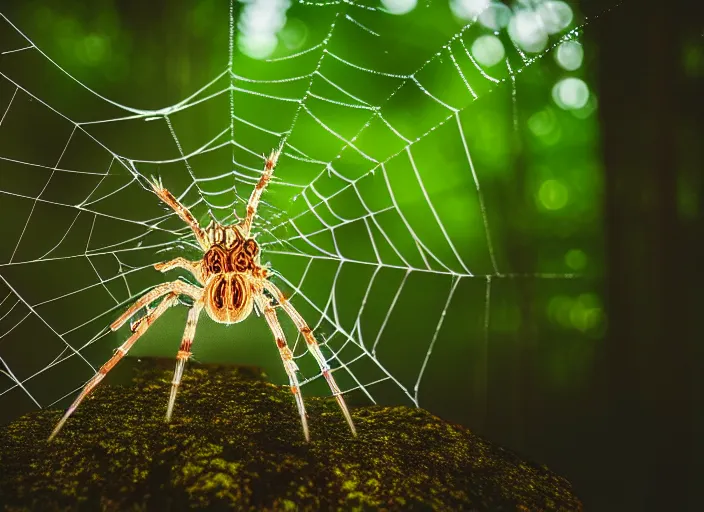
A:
{"x": 228, "y": 297}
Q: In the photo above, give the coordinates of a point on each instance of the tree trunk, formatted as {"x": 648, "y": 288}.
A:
{"x": 651, "y": 258}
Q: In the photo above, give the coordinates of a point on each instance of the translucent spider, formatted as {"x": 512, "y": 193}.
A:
{"x": 232, "y": 282}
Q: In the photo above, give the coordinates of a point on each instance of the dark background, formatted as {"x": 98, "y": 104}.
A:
{"x": 614, "y": 405}
{"x": 651, "y": 118}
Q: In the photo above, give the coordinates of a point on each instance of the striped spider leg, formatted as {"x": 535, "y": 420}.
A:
{"x": 253, "y": 203}
{"x": 290, "y": 365}
{"x": 183, "y": 354}
{"x": 313, "y": 348}
{"x": 172, "y": 291}
{"x": 181, "y": 211}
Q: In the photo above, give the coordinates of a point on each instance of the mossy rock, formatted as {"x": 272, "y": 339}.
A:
{"x": 236, "y": 443}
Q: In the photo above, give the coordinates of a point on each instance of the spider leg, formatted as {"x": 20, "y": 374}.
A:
{"x": 313, "y": 348}
{"x": 194, "y": 267}
{"x": 184, "y": 352}
{"x": 183, "y": 212}
{"x": 140, "y": 329}
{"x": 286, "y": 357}
{"x": 253, "y": 202}
{"x": 176, "y": 287}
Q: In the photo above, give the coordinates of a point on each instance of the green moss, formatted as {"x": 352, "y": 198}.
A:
{"x": 236, "y": 442}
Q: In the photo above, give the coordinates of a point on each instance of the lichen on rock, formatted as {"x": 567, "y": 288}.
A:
{"x": 236, "y": 443}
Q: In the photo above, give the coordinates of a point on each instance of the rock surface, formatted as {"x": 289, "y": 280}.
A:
{"x": 236, "y": 443}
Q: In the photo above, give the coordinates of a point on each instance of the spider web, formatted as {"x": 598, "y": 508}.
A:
{"x": 378, "y": 222}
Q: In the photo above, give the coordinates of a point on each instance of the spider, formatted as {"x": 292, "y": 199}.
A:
{"x": 232, "y": 283}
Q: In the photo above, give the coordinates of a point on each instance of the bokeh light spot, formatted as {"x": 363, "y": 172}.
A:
{"x": 579, "y": 317}
{"x": 588, "y": 109}
{"x": 544, "y": 125}
{"x": 553, "y": 195}
{"x": 526, "y": 29}
{"x": 570, "y": 55}
{"x": 468, "y": 9}
{"x": 570, "y": 93}
{"x": 258, "y": 45}
{"x": 496, "y": 16}
{"x": 94, "y": 49}
{"x": 590, "y": 300}
{"x": 559, "y": 308}
{"x": 576, "y": 259}
{"x": 259, "y": 24}
{"x": 294, "y": 34}
{"x": 488, "y": 50}
{"x": 399, "y": 6}
{"x": 556, "y": 16}
{"x": 586, "y": 312}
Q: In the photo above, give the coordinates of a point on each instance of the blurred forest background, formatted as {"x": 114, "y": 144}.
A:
{"x": 578, "y": 341}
